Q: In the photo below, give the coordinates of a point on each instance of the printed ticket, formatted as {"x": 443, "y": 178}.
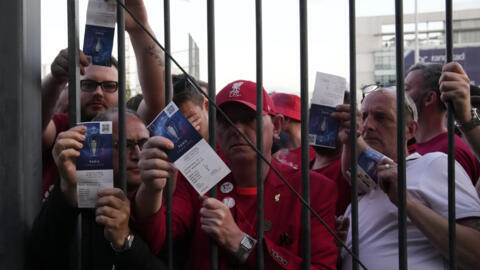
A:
{"x": 192, "y": 155}
{"x": 99, "y": 31}
{"x": 367, "y": 169}
{"x": 327, "y": 94}
{"x": 94, "y": 165}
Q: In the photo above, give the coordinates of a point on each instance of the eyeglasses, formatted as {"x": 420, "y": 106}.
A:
{"x": 132, "y": 143}
{"x": 91, "y": 85}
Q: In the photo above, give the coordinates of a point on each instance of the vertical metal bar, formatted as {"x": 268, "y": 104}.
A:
{"x": 304, "y": 138}
{"x": 122, "y": 129}
{"x": 76, "y": 252}
{"x": 168, "y": 86}
{"x": 402, "y": 214}
{"x": 353, "y": 128}
{"x": 451, "y": 146}
{"x": 20, "y": 135}
{"x": 73, "y": 64}
{"x": 260, "y": 214}
{"x": 212, "y": 111}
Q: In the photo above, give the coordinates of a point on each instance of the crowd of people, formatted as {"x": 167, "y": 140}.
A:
{"x": 128, "y": 230}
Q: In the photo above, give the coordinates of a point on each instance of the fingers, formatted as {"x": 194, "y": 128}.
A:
{"x": 59, "y": 67}
{"x": 453, "y": 67}
{"x": 158, "y": 142}
{"x": 212, "y": 203}
{"x": 114, "y": 192}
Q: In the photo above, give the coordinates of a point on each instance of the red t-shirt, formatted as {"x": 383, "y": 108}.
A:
{"x": 49, "y": 169}
{"x": 282, "y": 212}
{"x": 334, "y": 172}
{"x": 293, "y": 158}
{"x": 463, "y": 154}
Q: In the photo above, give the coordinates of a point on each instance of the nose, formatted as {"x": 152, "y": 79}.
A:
{"x": 368, "y": 124}
{"x": 98, "y": 90}
{"x": 135, "y": 152}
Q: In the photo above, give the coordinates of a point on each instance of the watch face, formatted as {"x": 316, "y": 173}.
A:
{"x": 247, "y": 243}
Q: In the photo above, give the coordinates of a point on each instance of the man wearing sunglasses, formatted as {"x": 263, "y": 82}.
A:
{"x": 99, "y": 87}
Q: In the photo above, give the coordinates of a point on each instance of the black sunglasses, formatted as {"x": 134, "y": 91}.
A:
{"x": 91, "y": 86}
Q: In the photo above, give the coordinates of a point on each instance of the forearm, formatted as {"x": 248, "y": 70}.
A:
{"x": 147, "y": 202}
{"x": 150, "y": 67}
{"x": 51, "y": 88}
{"x": 435, "y": 228}
{"x": 473, "y": 140}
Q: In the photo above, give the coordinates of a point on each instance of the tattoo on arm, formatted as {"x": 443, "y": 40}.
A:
{"x": 154, "y": 51}
{"x": 473, "y": 223}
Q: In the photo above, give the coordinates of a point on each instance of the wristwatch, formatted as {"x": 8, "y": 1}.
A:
{"x": 246, "y": 246}
{"x": 475, "y": 121}
{"x": 127, "y": 244}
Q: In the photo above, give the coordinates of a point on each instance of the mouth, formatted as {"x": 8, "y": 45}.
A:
{"x": 133, "y": 169}
{"x": 97, "y": 104}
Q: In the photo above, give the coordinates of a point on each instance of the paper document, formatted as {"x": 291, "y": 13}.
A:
{"x": 99, "y": 31}
{"x": 328, "y": 93}
{"x": 94, "y": 165}
{"x": 192, "y": 155}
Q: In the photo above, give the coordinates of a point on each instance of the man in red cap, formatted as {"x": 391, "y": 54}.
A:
{"x": 231, "y": 219}
{"x": 289, "y": 143}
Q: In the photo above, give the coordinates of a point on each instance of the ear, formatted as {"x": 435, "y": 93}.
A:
{"x": 277, "y": 121}
{"x": 431, "y": 98}
{"x": 205, "y": 104}
{"x": 411, "y": 129}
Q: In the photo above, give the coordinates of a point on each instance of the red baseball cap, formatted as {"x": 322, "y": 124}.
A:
{"x": 288, "y": 105}
{"x": 245, "y": 92}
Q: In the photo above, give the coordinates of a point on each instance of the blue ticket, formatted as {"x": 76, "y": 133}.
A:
{"x": 94, "y": 165}
{"x": 192, "y": 155}
{"x": 323, "y": 129}
{"x": 98, "y": 44}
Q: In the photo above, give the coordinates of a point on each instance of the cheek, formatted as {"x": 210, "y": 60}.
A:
{"x": 111, "y": 99}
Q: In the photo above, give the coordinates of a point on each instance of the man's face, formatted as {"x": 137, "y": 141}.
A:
{"x": 379, "y": 127}
{"x": 234, "y": 148}
{"x": 414, "y": 88}
{"x": 197, "y": 114}
{"x": 137, "y": 134}
{"x": 98, "y": 101}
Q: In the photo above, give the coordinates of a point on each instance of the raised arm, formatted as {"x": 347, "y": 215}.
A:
{"x": 342, "y": 115}
{"x": 150, "y": 62}
{"x": 455, "y": 87}
{"x": 51, "y": 87}
{"x": 154, "y": 169}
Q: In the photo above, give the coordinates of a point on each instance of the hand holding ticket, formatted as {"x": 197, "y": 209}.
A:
{"x": 191, "y": 154}
{"x": 367, "y": 169}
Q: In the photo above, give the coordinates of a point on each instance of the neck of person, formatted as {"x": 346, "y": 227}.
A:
{"x": 295, "y": 139}
{"x": 246, "y": 176}
{"x": 431, "y": 127}
{"x": 322, "y": 160}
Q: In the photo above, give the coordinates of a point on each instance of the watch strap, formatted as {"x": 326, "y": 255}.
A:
{"x": 126, "y": 245}
{"x": 475, "y": 121}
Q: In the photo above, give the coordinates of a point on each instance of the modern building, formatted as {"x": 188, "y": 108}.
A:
{"x": 376, "y": 44}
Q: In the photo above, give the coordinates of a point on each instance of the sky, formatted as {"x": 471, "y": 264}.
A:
{"x": 328, "y": 49}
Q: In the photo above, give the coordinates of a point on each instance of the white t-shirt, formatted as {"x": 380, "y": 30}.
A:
{"x": 427, "y": 181}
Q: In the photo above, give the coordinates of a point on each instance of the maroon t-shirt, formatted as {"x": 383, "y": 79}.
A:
{"x": 463, "y": 154}
{"x": 50, "y": 171}
{"x": 334, "y": 172}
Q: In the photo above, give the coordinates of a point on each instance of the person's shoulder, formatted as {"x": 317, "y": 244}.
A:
{"x": 61, "y": 121}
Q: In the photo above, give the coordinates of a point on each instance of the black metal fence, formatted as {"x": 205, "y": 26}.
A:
{"x": 21, "y": 99}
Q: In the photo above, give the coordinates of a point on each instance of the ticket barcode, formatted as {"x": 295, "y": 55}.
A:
{"x": 105, "y": 128}
{"x": 171, "y": 109}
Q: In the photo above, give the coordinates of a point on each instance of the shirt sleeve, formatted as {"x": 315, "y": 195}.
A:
{"x": 433, "y": 189}
{"x": 153, "y": 228}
